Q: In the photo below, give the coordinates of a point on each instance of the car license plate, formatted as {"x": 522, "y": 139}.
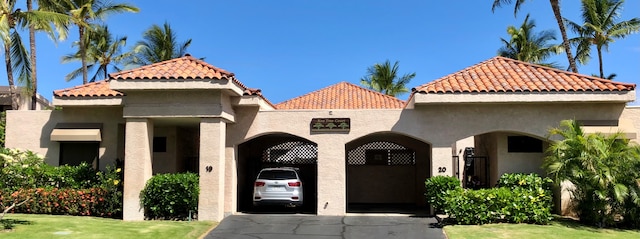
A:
{"x": 276, "y": 188}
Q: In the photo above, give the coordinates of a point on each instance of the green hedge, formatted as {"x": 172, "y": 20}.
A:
{"x": 171, "y": 196}
{"x": 522, "y": 199}
{"x": 24, "y": 172}
{"x": 436, "y": 187}
{"x": 77, "y": 202}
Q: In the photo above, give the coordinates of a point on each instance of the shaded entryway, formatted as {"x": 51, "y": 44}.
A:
{"x": 495, "y": 153}
{"x": 277, "y": 150}
{"x": 386, "y": 173}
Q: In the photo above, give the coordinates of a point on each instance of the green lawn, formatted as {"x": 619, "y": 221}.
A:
{"x": 48, "y": 226}
{"x": 560, "y": 229}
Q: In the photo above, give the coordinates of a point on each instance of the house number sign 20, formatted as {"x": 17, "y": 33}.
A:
{"x": 442, "y": 169}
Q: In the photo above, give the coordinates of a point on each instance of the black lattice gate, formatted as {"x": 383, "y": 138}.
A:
{"x": 292, "y": 152}
{"x": 381, "y": 153}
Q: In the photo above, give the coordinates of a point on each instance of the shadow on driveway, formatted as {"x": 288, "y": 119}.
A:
{"x": 279, "y": 226}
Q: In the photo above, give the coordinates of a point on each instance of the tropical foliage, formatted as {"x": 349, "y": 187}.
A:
{"x": 41, "y": 188}
{"x": 603, "y": 171}
{"x": 158, "y": 44}
{"x": 384, "y": 79}
{"x": 555, "y": 6}
{"x": 85, "y": 14}
{"x": 17, "y": 59}
{"x": 600, "y": 27}
{"x": 103, "y": 50}
{"x": 436, "y": 188}
{"x": 526, "y": 45}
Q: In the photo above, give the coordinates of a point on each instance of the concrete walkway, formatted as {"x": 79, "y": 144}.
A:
{"x": 278, "y": 226}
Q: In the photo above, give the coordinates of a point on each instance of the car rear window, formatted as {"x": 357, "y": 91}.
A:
{"x": 277, "y": 174}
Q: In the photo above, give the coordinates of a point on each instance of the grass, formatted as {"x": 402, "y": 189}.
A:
{"x": 561, "y": 229}
{"x": 47, "y": 226}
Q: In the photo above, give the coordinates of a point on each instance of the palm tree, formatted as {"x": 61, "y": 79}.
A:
{"x": 525, "y": 45}
{"x": 592, "y": 164}
{"x": 600, "y": 28}
{"x": 85, "y": 12}
{"x": 384, "y": 78}
{"x": 102, "y": 51}
{"x": 62, "y": 29}
{"x": 555, "y": 6}
{"x": 16, "y": 55}
{"x": 158, "y": 44}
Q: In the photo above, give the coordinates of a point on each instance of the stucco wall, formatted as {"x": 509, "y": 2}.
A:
{"x": 633, "y": 113}
{"x": 439, "y": 125}
{"x": 518, "y": 162}
{"x": 166, "y": 162}
{"x": 183, "y": 103}
{"x": 32, "y": 130}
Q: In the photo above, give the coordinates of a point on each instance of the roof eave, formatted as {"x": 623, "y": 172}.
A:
{"x": 420, "y": 98}
{"x": 88, "y": 101}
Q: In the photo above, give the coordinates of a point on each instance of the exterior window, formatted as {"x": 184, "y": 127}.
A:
{"x": 159, "y": 144}
{"x": 524, "y": 144}
{"x": 75, "y": 153}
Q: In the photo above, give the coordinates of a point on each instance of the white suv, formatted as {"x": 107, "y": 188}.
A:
{"x": 278, "y": 186}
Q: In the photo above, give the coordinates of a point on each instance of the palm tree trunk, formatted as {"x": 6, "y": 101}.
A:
{"x": 12, "y": 87}
{"x": 599, "y": 48}
{"x": 83, "y": 55}
{"x": 32, "y": 46}
{"x": 555, "y": 6}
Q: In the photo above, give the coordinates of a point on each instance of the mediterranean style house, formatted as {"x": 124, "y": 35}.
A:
{"x": 353, "y": 146}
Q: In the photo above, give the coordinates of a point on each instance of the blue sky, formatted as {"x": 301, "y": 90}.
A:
{"x": 288, "y": 48}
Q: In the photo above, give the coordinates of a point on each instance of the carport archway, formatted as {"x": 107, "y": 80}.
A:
{"x": 386, "y": 171}
{"x": 277, "y": 150}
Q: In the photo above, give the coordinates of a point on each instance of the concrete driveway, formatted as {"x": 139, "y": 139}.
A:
{"x": 280, "y": 226}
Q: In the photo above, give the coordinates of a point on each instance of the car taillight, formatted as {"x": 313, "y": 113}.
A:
{"x": 259, "y": 184}
{"x": 295, "y": 184}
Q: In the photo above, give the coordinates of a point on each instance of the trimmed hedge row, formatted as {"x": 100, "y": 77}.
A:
{"x": 72, "y": 190}
{"x": 519, "y": 198}
{"x": 77, "y": 202}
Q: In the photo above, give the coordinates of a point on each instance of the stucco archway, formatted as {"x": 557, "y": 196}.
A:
{"x": 277, "y": 150}
{"x": 386, "y": 171}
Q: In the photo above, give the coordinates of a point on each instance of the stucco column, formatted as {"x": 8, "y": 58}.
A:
{"x": 212, "y": 156}
{"x": 137, "y": 166}
{"x": 441, "y": 159}
{"x": 332, "y": 177}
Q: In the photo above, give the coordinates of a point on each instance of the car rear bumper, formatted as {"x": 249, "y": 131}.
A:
{"x": 265, "y": 202}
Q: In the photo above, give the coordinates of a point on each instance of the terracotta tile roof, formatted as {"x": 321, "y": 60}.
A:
{"x": 343, "y": 96}
{"x": 186, "y": 67}
{"x": 94, "y": 89}
{"x": 500, "y": 74}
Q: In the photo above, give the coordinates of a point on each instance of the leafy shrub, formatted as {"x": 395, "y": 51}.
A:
{"x": 524, "y": 181}
{"x": 437, "y": 187}
{"x": 25, "y": 172}
{"x": 77, "y": 202}
{"x": 170, "y": 196}
{"x": 519, "y": 199}
{"x": 21, "y": 169}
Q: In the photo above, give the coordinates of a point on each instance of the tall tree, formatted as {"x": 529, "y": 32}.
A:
{"x": 526, "y": 45}
{"x": 555, "y": 6}
{"x": 103, "y": 50}
{"x": 384, "y": 78}
{"x": 158, "y": 44}
{"x": 62, "y": 29}
{"x": 16, "y": 55}
{"x": 600, "y": 27}
{"x": 84, "y": 13}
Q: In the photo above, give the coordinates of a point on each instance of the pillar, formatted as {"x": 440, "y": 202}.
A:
{"x": 332, "y": 178}
{"x": 137, "y": 166}
{"x": 212, "y": 169}
{"x": 441, "y": 159}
